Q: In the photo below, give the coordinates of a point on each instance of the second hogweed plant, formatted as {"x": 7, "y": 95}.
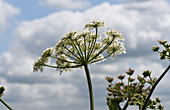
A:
{"x": 79, "y": 48}
{"x": 138, "y": 92}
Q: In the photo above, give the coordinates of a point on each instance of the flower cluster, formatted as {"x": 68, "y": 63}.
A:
{"x": 41, "y": 61}
{"x": 134, "y": 92}
{"x": 77, "y": 48}
{"x": 165, "y": 53}
{"x": 94, "y": 24}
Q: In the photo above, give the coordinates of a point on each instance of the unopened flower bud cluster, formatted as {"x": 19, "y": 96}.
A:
{"x": 133, "y": 93}
{"x": 165, "y": 53}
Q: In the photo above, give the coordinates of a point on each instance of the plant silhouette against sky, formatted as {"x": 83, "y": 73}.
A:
{"x": 137, "y": 93}
{"x": 79, "y": 48}
{"x": 132, "y": 91}
{"x": 2, "y": 89}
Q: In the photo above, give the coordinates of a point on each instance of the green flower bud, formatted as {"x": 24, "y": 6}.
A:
{"x": 142, "y": 80}
{"x": 146, "y": 73}
{"x": 121, "y": 77}
{"x": 109, "y": 94}
{"x": 167, "y": 45}
{"x": 130, "y": 71}
{"x": 109, "y": 79}
{"x": 152, "y": 107}
{"x": 110, "y": 85}
{"x": 162, "y": 56}
{"x": 138, "y": 103}
{"x": 107, "y": 98}
{"x": 158, "y": 100}
{"x": 160, "y": 107}
{"x": 162, "y": 42}
{"x": 155, "y": 49}
{"x": 154, "y": 102}
{"x": 131, "y": 79}
{"x": 2, "y": 89}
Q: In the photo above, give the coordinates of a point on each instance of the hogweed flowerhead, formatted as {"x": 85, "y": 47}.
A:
{"x": 94, "y": 24}
{"x": 77, "y": 48}
{"x": 165, "y": 53}
{"x": 132, "y": 92}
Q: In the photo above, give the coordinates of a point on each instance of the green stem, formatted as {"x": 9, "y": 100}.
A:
{"x": 115, "y": 106}
{"x": 64, "y": 60}
{"x": 89, "y": 86}
{"x": 92, "y": 46}
{"x": 101, "y": 58}
{"x": 72, "y": 53}
{"x": 154, "y": 86}
{"x": 76, "y": 66}
{"x": 6, "y": 104}
{"x": 85, "y": 48}
{"x": 126, "y": 105}
{"x": 103, "y": 49}
{"x": 78, "y": 50}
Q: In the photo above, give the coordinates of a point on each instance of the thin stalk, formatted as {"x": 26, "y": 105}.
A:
{"x": 79, "y": 53}
{"x": 128, "y": 88}
{"x": 126, "y": 105}
{"x": 152, "y": 83}
{"x": 64, "y": 60}
{"x": 71, "y": 57}
{"x": 85, "y": 47}
{"x": 90, "y": 42}
{"x": 102, "y": 58}
{"x": 93, "y": 45}
{"x": 89, "y": 86}
{"x": 6, "y": 104}
{"x": 72, "y": 53}
{"x": 154, "y": 86}
{"x": 76, "y": 66}
{"x": 103, "y": 49}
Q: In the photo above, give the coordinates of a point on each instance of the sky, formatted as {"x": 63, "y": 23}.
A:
{"x": 29, "y": 27}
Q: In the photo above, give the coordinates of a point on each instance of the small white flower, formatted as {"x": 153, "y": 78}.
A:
{"x": 94, "y": 24}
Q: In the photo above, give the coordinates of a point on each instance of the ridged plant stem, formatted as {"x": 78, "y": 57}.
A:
{"x": 6, "y": 104}
{"x": 89, "y": 86}
{"x": 154, "y": 86}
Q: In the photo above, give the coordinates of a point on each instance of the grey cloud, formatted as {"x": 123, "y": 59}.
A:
{"x": 134, "y": 0}
{"x": 7, "y": 12}
{"x": 147, "y": 8}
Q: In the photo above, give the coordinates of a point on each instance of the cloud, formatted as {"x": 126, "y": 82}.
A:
{"x": 69, "y": 91}
{"x": 165, "y": 21}
{"x": 66, "y": 4}
{"x": 147, "y": 8}
{"x": 7, "y": 11}
{"x": 130, "y": 1}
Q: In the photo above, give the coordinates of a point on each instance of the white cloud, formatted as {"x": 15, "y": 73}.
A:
{"x": 151, "y": 35}
{"x": 7, "y": 11}
{"x": 32, "y": 96}
{"x": 66, "y": 4}
{"x": 165, "y": 21}
{"x": 150, "y": 6}
{"x": 139, "y": 28}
